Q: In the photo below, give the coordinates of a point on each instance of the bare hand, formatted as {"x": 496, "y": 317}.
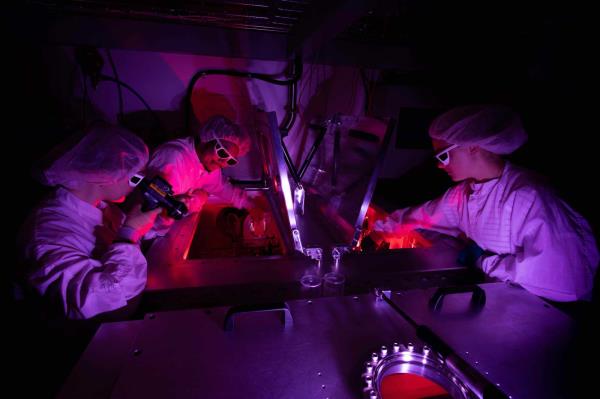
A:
{"x": 140, "y": 221}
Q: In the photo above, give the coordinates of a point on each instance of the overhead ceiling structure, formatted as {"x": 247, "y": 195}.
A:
{"x": 402, "y": 35}
{"x": 262, "y": 15}
{"x": 263, "y": 29}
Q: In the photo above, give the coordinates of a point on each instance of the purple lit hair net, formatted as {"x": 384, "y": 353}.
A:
{"x": 106, "y": 154}
{"x": 494, "y": 128}
{"x": 219, "y": 127}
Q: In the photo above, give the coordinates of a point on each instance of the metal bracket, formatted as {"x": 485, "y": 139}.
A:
{"x": 299, "y": 196}
{"x": 337, "y": 252}
{"x": 314, "y": 253}
{"x": 297, "y": 240}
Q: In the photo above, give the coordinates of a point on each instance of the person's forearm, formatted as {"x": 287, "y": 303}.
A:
{"x": 537, "y": 274}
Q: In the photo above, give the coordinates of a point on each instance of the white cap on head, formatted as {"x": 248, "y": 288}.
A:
{"x": 104, "y": 155}
{"x": 219, "y": 127}
{"x": 494, "y": 128}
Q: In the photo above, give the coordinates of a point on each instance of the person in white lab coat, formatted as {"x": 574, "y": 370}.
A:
{"x": 192, "y": 166}
{"x": 524, "y": 233}
{"x": 81, "y": 252}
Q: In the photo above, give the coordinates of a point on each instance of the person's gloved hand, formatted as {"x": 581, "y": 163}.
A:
{"x": 469, "y": 255}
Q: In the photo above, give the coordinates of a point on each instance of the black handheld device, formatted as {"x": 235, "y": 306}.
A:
{"x": 158, "y": 192}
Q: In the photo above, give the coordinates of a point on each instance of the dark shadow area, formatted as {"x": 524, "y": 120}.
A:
{"x": 422, "y": 183}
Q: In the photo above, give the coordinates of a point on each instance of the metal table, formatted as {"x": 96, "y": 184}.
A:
{"x": 189, "y": 354}
{"x": 526, "y": 347}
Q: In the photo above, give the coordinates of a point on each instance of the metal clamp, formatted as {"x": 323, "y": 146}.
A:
{"x": 337, "y": 252}
{"x": 314, "y": 253}
{"x": 299, "y": 196}
{"x": 297, "y": 240}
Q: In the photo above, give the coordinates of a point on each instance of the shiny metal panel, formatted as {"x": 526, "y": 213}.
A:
{"x": 280, "y": 184}
{"x": 187, "y": 354}
{"x": 340, "y": 180}
{"x": 98, "y": 369}
{"x": 358, "y": 225}
{"x": 409, "y": 268}
{"x": 516, "y": 340}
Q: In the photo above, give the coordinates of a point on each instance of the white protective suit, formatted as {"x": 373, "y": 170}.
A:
{"x": 68, "y": 243}
{"x": 536, "y": 239}
{"x": 178, "y": 163}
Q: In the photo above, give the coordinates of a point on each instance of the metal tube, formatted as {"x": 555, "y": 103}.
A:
{"x": 313, "y": 150}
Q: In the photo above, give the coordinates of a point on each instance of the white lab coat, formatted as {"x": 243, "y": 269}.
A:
{"x": 535, "y": 238}
{"x": 67, "y": 243}
{"x": 177, "y": 162}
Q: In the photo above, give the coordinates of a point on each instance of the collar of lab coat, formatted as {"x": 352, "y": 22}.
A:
{"x": 478, "y": 189}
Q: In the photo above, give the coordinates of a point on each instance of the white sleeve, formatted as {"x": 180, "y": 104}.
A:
{"x": 440, "y": 215}
{"x": 233, "y": 195}
{"x": 88, "y": 286}
{"x": 219, "y": 186}
{"x": 556, "y": 255}
{"x": 168, "y": 163}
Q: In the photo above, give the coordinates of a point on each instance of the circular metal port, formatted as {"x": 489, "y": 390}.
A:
{"x": 407, "y": 372}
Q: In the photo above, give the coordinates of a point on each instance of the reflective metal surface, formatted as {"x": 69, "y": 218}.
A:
{"x": 223, "y": 231}
{"x": 188, "y": 354}
{"x": 518, "y": 342}
{"x": 224, "y": 263}
{"x": 340, "y": 180}
{"x": 276, "y": 173}
{"x": 98, "y": 369}
{"x": 170, "y": 269}
{"x": 406, "y": 359}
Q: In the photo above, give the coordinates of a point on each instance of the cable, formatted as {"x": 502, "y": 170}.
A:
{"x": 369, "y": 85}
{"x": 235, "y": 73}
{"x": 112, "y": 65}
{"x": 353, "y": 91}
{"x": 125, "y": 85}
{"x": 84, "y": 101}
{"x": 372, "y": 94}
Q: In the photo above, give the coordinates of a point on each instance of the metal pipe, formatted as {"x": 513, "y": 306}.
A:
{"x": 290, "y": 164}
{"x": 292, "y": 109}
{"x": 322, "y": 130}
{"x": 290, "y": 117}
{"x": 297, "y": 73}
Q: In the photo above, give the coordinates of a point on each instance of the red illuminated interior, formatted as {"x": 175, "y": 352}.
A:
{"x": 411, "y": 386}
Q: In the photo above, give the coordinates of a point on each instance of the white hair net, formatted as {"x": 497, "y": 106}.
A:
{"x": 106, "y": 154}
{"x": 494, "y": 128}
{"x": 219, "y": 127}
